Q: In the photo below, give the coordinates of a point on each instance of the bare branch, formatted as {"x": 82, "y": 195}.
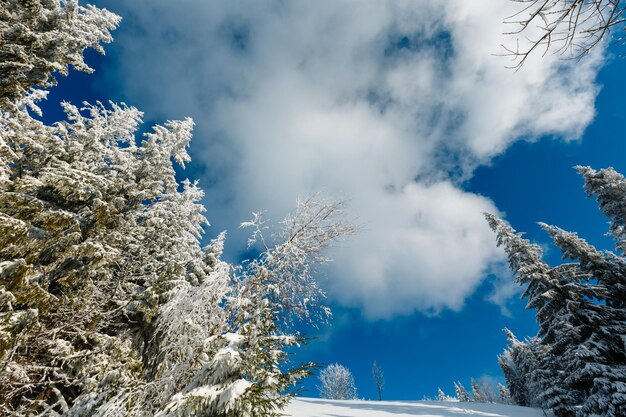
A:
{"x": 572, "y": 27}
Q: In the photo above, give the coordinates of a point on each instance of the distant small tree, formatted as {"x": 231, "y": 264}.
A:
{"x": 477, "y": 392}
{"x": 461, "y": 392}
{"x": 379, "y": 380}
{"x": 505, "y": 395}
{"x": 514, "y": 375}
{"x": 483, "y": 391}
{"x": 440, "y": 395}
{"x": 337, "y": 383}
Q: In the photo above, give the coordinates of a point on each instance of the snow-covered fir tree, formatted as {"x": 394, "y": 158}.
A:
{"x": 579, "y": 354}
{"x": 461, "y": 393}
{"x": 109, "y": 305}
{"x": 41, "y": 37}
{"x": 517, "y": 363}
{"x": 504, "y": 395}
{"x": 514, "y": 378}
{"x": 477, "y": 394}
{"x": 441, "y": 396}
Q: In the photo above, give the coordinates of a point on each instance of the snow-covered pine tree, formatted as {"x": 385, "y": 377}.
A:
{"x": 528, "y": 372}
{"x": 249, "y": 373}
{"x": 504, "y": 395}
{"x": 41, "y": 37}
{"x": 79, "y": 210}
{"x": 580, "y": 309}
{"x": 595, "y": 358}
{"x": 525, "y": 260}
{"x": 545, "y": 379}
{"x": 609, "y": 188}
{"x": 108, "y": 304}
{"x": 548, "y": 291}
{"x": 461, "y": 393}
{"x": 514, "y": 375}
{"x": 440, "y": 395}
{"x": 476, "y": 392}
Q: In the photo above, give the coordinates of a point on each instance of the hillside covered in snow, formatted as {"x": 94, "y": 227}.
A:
{"x": 313, "y": 407}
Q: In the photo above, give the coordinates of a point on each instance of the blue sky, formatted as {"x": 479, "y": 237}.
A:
{"x": 402, "y": 109}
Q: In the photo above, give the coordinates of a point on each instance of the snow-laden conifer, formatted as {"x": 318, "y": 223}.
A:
{"x": 609, "y": 188}
{"x": 109, "y": 306}
{"x": 441, "y": 396}
{"x": 504, "y": 395}
{"x": 477, "y": 394}
{"x": 461, "y": 393}
{"x": 579, "y": 354}
{"x": 513, "y": 373}
{"x": 39, "y": 38}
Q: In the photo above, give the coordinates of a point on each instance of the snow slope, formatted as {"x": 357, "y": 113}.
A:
{"x": 313, "y": 407}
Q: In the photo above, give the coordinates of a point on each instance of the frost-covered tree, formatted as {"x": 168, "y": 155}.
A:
{"x": 441, "y": 396}
{"x": 477, "y": 394}
{"x": 461, "y": 392}
{"x": 562, "y": 26}
{"x": 109, "y": 305}
{"x": 482, "y": 391}
{"x": 41, "y": 37}
{"x": 579, "y": 354}
{"x": 87, "y": 216}
{"x": 379, "y": 380}
{"x": 268, "y": 294}
{"x": 515, "y": 377}
{"x": 504, "y": 395}
{"x": 337, "y": 383}
{"x": 517, "y": 362}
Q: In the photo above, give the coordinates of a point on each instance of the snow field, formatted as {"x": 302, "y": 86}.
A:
{"x": 313, "y": 407}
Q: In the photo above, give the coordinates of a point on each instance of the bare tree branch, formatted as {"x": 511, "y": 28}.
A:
{"x": 566, "y": 27}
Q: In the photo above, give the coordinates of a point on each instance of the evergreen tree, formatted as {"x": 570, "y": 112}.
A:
{"x": 504, "y": 394}
{"x": 43, "y": 37}
{"x": 476, "y": 392}
{"x": 461, "y": 392}
{"x": 579, "y": 353}
{"x": 509, "y": 362}
{"x": 109, "y": 306}
{"x": 440, "y": 395}
{"x": 595, "y": 361}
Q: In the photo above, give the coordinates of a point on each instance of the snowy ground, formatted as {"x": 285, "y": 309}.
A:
{"x": 310, "y": 407}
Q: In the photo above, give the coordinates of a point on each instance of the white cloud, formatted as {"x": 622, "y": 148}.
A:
{"x": 387, "y": 103}
{"x": 429, "y": 250}
{"x": 504, "y": 289}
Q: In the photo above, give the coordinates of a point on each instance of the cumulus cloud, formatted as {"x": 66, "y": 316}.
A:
{"x": 391, "y": 104}
{"x": 429, "y": 249}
